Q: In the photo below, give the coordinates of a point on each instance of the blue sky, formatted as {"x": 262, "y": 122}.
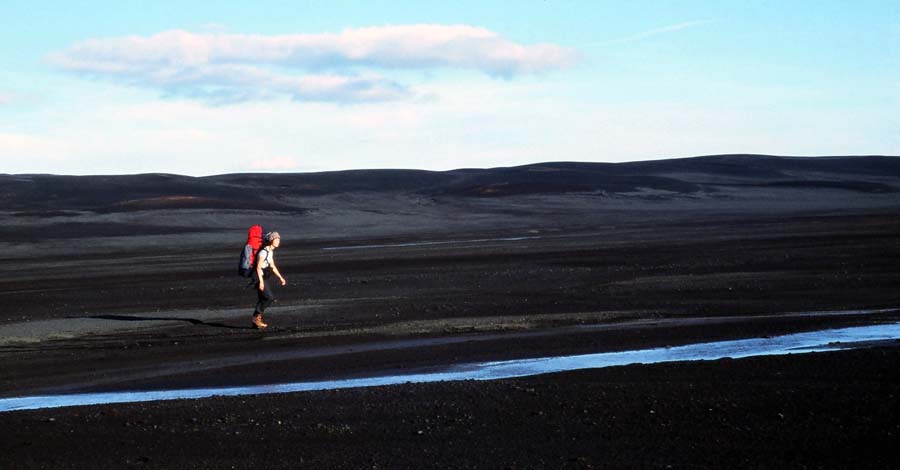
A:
{"x": 221, "y": 87}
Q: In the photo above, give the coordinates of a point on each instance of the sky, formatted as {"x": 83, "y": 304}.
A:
{"x": 203, "y": 88}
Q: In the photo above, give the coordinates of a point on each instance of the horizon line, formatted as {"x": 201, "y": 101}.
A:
{"x": 288, "y": 172}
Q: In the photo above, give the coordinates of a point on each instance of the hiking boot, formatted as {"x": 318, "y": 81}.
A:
{"x": 258, "y": 323}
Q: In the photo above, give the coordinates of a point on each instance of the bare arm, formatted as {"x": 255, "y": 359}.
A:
{"x": 275, "y": 270}
{"x": 259, "y": 276}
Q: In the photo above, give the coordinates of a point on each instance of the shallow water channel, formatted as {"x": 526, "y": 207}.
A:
{"x": 816, "y": 341}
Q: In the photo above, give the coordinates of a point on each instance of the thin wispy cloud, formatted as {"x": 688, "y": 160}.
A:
{"x": 651, "y": 33}
{"x": 347, "y": 67}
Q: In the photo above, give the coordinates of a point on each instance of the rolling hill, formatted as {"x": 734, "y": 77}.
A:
{"x": 42, "y": 194}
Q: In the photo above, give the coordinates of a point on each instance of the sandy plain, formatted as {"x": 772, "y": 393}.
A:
{"x": 385, "y": 282}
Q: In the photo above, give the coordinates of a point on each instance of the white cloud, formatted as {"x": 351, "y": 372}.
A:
{"x": 327, "y": 67}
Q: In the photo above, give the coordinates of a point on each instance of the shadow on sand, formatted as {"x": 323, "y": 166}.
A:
{"x": 192, "y": 321}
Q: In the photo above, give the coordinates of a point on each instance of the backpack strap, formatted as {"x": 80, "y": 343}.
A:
{"x": 259, "y": 256}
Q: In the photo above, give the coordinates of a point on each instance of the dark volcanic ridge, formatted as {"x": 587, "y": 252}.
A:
{"x": 53, "y": 195}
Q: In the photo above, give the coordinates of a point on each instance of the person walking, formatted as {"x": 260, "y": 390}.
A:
{"x": 265, "y": 268}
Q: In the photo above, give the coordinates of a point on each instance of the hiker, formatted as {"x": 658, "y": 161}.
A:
{"x": 265, "y": 267}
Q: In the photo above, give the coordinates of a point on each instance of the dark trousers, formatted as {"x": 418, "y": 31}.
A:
{"x": 265, "y": 297}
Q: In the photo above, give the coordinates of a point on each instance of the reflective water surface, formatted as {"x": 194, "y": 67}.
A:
{"x": 824, "y": 340}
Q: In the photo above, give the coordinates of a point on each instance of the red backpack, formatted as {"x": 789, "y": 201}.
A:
{"x": 247, "y": 265}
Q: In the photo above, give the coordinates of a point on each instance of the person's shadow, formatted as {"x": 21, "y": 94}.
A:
{"x": 192, "y": 321}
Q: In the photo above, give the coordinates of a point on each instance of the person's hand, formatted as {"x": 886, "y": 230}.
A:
{"x": 262, "y": 286}
{"x": 283, "y": 282}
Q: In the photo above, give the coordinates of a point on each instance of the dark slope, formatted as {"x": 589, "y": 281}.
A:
{"x": 41, "y": 193}
{"x": 768, "y": 166}
{"x": 329, "y": 182}
{"x": 29, "y": 193}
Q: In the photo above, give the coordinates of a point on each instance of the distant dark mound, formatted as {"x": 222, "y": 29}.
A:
{"x": 331, "y": 182}
{"x": 770, "y": 167}
{"x": 681, "y": 176}
{"x": 558, "y": 178}
{"x": 51, "y": 195}
{"x": 61, "y": 196}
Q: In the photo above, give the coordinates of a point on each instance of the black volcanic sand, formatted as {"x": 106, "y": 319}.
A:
{"x": 824, "y": 410}
{"x": 159, "y": 321}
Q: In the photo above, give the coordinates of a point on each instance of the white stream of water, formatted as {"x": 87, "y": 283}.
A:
{"x": 815, "y": 341}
